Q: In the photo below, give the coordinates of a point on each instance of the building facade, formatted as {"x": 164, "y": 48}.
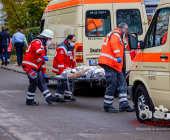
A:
{"x": 151, "y": 6}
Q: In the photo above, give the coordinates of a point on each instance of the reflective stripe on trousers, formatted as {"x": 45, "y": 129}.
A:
{"x": 62, "y": 86}
{"x": 40, "y": 82}
{"x": 115, "y": 82}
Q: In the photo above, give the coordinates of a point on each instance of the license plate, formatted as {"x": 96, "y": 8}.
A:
{"x": 93, "y": 62}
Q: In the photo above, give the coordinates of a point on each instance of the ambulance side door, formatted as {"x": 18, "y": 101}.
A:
{"x": 155, "y": 59}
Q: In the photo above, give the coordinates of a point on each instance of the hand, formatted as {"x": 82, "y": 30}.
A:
{"x": 45, "y": 58}
{"x": 44, "y": 75}
{"x": 119, "y": 60}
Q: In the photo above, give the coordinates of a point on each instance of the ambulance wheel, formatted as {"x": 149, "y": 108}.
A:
{"x": 143, "y": 112}
{"x": 46, "y": 80}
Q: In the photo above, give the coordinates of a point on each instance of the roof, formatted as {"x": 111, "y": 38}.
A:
{"x": 58, "y": 4}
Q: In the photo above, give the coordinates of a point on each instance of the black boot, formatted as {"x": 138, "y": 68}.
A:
{"x": 110, "y": 109}
{"x": 32, "y": 103}
{"x": 127, "y": 109}
{"x": 53, "y": 99}
{"x": 70, "y": 98}
{"x": 60, "y": 100}
{"x": 3, "y": 63}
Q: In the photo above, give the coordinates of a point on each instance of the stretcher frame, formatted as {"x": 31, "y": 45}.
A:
{"x": 101, "y": 80}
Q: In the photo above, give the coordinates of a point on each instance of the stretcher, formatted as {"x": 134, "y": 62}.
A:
{"x": 99, "y": 80}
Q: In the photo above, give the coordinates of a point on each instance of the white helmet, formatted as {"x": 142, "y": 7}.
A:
{"x": 47, "y": 33}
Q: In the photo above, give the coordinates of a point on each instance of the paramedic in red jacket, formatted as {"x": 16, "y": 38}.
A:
{"x": 33, "y": 63}
{"x": 64, "y": 58}
{"x": 132, "y": 52}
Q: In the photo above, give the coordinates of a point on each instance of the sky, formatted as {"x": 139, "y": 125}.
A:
{"x": 0, "y": 14}
{"x": 0, "y": 9}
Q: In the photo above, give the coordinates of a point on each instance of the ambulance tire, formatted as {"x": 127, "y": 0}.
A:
{"x": 142, "y": 99}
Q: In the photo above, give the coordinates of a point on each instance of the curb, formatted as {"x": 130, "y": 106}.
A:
{"x": 8, "y": 68}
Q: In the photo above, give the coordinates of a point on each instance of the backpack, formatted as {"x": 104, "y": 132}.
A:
{"x": 30, "y": 37}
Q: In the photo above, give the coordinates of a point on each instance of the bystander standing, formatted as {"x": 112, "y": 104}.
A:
{"x": 18, "y": 41}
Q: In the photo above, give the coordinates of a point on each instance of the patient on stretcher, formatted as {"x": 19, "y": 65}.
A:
{"x": 73, "y": 72}
{"x": 83, "y": 72}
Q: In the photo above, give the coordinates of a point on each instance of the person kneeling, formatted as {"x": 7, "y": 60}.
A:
{"x": 64, "y": 58}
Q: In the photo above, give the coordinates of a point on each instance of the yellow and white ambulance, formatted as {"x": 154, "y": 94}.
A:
{"x": 150, "y": 71}
{"x": 90, "y": 21}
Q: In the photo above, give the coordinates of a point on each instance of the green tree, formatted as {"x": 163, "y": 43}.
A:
{"x": 35, "y": 11}
{"x": 16, "y": 14}
{"x": 23, "y": 13}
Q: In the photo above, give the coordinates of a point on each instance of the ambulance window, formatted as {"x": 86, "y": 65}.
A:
{"x": 132, "y": 18}
{"x": 162, "y": 26}
{"x": 150, "y": 34}
{"x": 97, "y": 23}
{"x": 157, "y": 33}
{"x": 42, "y": 25}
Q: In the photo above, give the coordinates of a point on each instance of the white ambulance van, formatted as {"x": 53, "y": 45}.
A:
{"x": 149, "y": 81}
{"x": 90, "y": 21}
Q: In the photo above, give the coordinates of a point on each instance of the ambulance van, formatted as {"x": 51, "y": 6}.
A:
{"x": 149, "y": 80}
{"x": 90, "y": 21}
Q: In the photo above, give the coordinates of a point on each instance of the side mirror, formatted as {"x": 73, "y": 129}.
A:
{"x": 133, "y": 41}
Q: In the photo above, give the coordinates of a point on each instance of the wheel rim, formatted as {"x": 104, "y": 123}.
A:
{"x": 141, "y": 102}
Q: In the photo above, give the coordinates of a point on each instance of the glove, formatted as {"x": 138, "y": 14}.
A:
{"x": 45, "y": 58}
{"x": 119, "y": 60}
{"x": 44, "y": 75}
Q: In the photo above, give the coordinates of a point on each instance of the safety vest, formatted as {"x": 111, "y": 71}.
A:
{"x": 9, "y": 46}
{"x": 113, "y": 47}
{"x": 93, "y": 24}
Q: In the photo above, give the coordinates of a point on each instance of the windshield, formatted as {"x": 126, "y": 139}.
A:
{"x": 132, "y": 18}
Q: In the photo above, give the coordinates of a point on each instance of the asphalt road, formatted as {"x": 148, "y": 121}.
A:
{"x": 80, "y": 120}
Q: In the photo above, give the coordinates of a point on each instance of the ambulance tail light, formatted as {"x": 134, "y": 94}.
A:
{"x": 79, "y": 54}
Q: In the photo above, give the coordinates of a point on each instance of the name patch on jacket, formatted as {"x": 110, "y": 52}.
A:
{"x": 69, "y": 53}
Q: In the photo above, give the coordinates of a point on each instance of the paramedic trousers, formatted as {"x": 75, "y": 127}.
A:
{"x": 62, "y": 86}
{"x": 115, "y": 82}
{"x": 5, "y": 47}
{"x": 37, "y": 80}
{"x": 19, "y": 50}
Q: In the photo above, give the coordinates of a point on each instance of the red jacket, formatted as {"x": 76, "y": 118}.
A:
{"x": 132, "y": 52}
{"x": 164, "y": 38}
{"x": 112, "y": 48}
{"x": 64, "y": 57}
{"x": 34, "y": 55}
